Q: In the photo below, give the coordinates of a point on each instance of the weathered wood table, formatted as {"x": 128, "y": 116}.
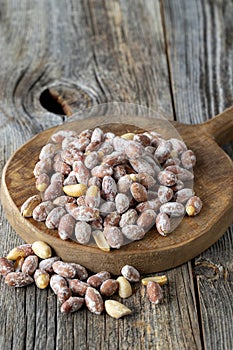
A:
{"x": 60, "y": 57}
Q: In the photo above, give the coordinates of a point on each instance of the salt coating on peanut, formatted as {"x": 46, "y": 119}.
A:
{"x": 121, "y": 185}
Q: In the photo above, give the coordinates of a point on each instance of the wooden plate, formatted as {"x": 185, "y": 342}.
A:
{"x": 213, "y": 183}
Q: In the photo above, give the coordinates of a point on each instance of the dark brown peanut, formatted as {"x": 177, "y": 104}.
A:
{"x": 47, "y": 264}
{"x": 63, "y": 269}
{"x": 72, "y": 304}
{"x": 133, "y": 232}
{"x": 97, "y": 279}
{"x": 94, "y": 301}
{"x": 43, "y": 167}
{"x": 18, "y": 279}
{"x": 54, "y": 217}
{"x": 139, "y": 192}
{"x": 165, "y": 194}
{"x": 122, "y": 203}
{"x": 146, "y": 180}
{"x": 30, "y": 264}
{"x": 142, "y": 166}
{"x": 6, "y": 266}
{"x": 167, "y": 178}
{"x": 92, "y": 197}
{"x": 188, "y": 159}
{"x": 63, "y": 200}
{"x": 144, "y": 140}
{"x": 101, "y": 171}
{"x": 163, "y": 151}
{"x": 154, "y": 292}
{"x": 182, "y": 174}
{"x": 130, "y": 273}
{"x": 163, "y": 224}
{"x": 183, "y": 195}
{"x": 66, "y": 226}
{"x": 42, "y": 182}
{"x": 173, "y": 209}
{"x": 124, "y": 183}
{"x": 171, "y": 161}
{"x": 128, "y": 218}
{"x": 112, "y": 219}
{"x": 146, "y": 219}
{"x": 153, "y": 204}
{"x": 113, "y": 236}
{"x": 78, "y": 287}
{"x": 109, "y": 188}
{"x": 178, "y": 186}
{"x": 82, "y": 173}
{"x": 81, "y": 272}
{"x": 82, "y": 232}
{"x": 97, "y": 224}
{"x": 109, "y": 287}
{"x": 193, "y": 206}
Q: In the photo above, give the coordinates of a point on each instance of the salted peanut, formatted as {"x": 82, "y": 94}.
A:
{"x": 53, "y": 191}
{"x": 23, "y": 250}
{"x": 18, "y": 279}
{"x": 97, "y": 135}
{"x": 81, "y": 272}
{"x": 63, "y": 294}
{"x": 122, "y": 203}
{"x": 80, "y": 144}
{"x": 109, "y": 136}
{"x": 125, "y": 289}
{"x": 138, "y": 192}
{"x": 75, "y": 190}
{"x": 150, "y": 149}
{"x": 42, "y": 249}
{"x": 72, "y": 304}
{"x": 188, "y": 159}
{"x": 178, "y": 145}
{"x": 130, "y": 273}
{"x": 57, "y": 283}
{"x": 92, "y": 197}
{"x": 119, "y": 144}
{"x": 161, "y": 280}
{"x": 109, "y": 287}
{"x": 142, "y": 166}
{"x": 154, "y": 292}
{"x": 163, "y": 151}
{"x": 91, "y": 160}
{"x": 6, "y": 266}
{"x": 129, "y": 169}
{"x": 145, "y": 180}
{"x": 134, "y": 150}
{"x": 143, "y": 139}
{"x": 128, "y": 218}
{"x": 109, "y": 188}
{"x": 165, "y": 194}
{"x": 171, "y": 161}
{"x": 193, "y": 206}
{"x": 112, "y": 219}
{"x": 173, "y": 209}
{"x": 100, "y": 240}
{"x": 153, "y": 204}
{"x": 81, "y": 172}
{"x": 181, "y": 173}
{"x": 107, "y": 207}
{"x": 94, "y": 181}
{"x": 61, "y": 167}
{"x": 54, "y": 217}
{"x": 85, "y": 133}
{"x": 66, "y": 226}
{"x": 97, "y": 224}
{"x": 94, "y": 301}
{"x": 97, "y": 279}
{"x": 18, "y": 263}
{"x": 183, "y": 195}
{"x": 48, "y": 151}
{"x": 116, "y": 309}
{"x": 128, "y": 136}
{"x": 152, "y": 195}
{"x": 59, "y": 136}
{"x": 29, "y": 205}
{"x": 146, "y": 219}
{"x": 41, "y": 278}
{"x": 113, "y": 236}
{"x": 63, "y": 200}
{"x": 124, "y": 183}
{"x": 178, "y": 186}
{"x": 71, "y": 179}
{"x": 114, "y": 158}
{"x": 92, "y": 146}
{"x": 133, "y": 232}
{"x": 47, "y": 264}
{"x": 43, "y": 167}
{"x": 101, "y": 171}
{"x": 84, "y": 213}
{"x": 42, "y": 182}
{"x": 104, "y": 149}
{"x": 30, "y": 264}
{"x": 70, "y": 155}
{"x": 42, "y": 210}
{"x": 82, "y": 232}
{"x": 163, "y": 224}
{"x": 167, "y": 178}
{"x": 63, "y": 269}
{"x": 81, "y": 201}
{"x": 78, "y": 287}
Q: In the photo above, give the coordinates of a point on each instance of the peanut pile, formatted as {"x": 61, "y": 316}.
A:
{"x": 70, "y": 282}
{"x": 110, "y": 189}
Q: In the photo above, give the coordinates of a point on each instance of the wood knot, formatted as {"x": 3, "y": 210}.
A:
{"x": 210, "y": 270}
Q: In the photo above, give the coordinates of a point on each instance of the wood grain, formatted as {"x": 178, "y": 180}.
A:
{"x": 153, "y": 253}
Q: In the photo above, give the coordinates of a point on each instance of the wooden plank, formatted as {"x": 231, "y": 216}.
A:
{"x": 102, "y": 51}
{"x": 201, "y": 75}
